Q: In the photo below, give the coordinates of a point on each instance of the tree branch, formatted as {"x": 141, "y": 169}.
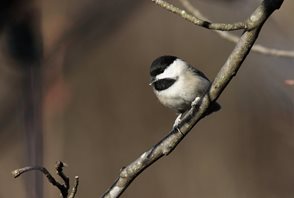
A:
{"x": 232, "y": 38}
{"x": 227, "y": 72}
{"x": 63, "y": 188}
{"x": 18, "y": 172}
{"x": 75, "y": 188}
{"x": 198, "y": 21}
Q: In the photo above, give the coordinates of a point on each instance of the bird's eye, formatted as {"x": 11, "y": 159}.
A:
{"x": 163, "y": 84}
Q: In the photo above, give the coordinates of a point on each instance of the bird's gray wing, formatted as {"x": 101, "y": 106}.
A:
{"x": 197, "y": 72}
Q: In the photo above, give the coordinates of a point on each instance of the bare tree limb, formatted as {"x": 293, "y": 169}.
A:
{"x": 198, "y": 21}
{"x": 75, "y": 188}
{"x": 63, "y": 188}
{"x": 59, "y": 171}
{"x": 232, "y": 38}
{"x": 195, "y": 114}
{"x": 18, "y": 172}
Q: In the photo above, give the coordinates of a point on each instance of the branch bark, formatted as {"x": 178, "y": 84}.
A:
{"x": 225, "y": 75}
{"x": 201, "y": 22}
{"x": 62, "y": 187}
{"x": 233, "y": 38}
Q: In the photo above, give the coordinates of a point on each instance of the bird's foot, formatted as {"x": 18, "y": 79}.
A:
{"x": 195, "y": 102}
{"x": 179, "y": 130}
{"x": 177, "y": 121}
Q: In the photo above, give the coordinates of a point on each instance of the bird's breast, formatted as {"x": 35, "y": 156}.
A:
{"x": 182, "y": 92}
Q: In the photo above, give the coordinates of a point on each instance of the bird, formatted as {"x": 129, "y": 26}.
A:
{"x": 178, "y": 85}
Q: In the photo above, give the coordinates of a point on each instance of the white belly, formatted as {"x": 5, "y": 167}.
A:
{"x": 181, "y": 94}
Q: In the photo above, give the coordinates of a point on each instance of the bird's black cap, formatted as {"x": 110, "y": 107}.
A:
{"x": 160, "y": 64}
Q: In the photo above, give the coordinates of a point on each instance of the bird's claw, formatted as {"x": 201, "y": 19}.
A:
{"x": 195, "y": 102}
{"x": 177, "y": 121}
{"x": 179, "y": 130}
{"x": 176, "y": 124}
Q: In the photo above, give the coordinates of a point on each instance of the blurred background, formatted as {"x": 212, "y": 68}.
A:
{"x": 74, "y": 87}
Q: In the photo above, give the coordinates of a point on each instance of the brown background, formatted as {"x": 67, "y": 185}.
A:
{"x": 99, "y": 113}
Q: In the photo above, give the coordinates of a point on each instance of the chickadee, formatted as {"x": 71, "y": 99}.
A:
{"x": 178, "y": 85}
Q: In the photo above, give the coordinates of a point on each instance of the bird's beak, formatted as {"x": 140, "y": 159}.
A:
{"x": 153, "y": 80}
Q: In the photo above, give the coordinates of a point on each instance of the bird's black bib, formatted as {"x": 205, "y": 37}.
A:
{"x": 163, "y": 84}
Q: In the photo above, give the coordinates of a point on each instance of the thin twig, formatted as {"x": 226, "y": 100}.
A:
{"x": 18, "y": 172}
{"x": 232, "y": 38}
{"x": 225, "y": 75}
{"x": 197, "y": 21}
{"x": 75, "y": 188}
{"x": 59, "y": 171}
{"x": 63, "y": 188}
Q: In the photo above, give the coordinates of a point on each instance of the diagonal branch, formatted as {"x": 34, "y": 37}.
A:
{"x": 225, "y": 75}
{"x": 232, "y": 38}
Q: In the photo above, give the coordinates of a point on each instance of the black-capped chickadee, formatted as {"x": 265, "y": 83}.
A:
{"x": 178, "y": 85}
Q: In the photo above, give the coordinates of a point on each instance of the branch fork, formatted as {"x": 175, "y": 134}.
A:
{"x": 62, "y": 187}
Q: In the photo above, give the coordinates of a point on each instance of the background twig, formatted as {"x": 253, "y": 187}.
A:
{"x": 233, "y": 38}
{"x": 63, "y": 188}
{"x": 75, "y": 188}
{"x": 201, "y": 22}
